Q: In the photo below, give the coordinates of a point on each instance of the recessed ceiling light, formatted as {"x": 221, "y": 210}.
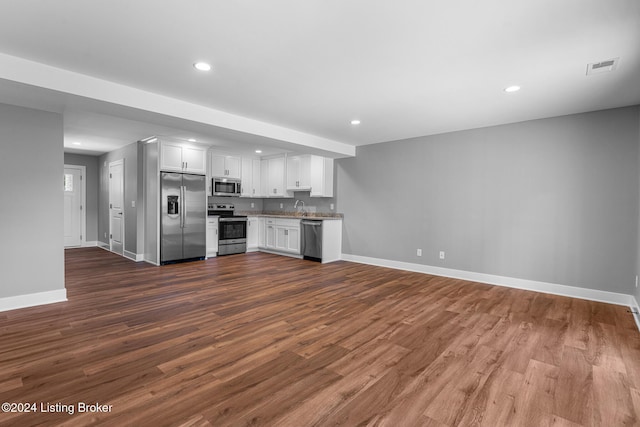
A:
{"x": 191, "y": 140}
{"x": 77, "y": 143}
{"x": 258, "y": 151}
{"x": 202, "y": 66}
{"x": 355, "y": 122}
{"x": 513, "y": 88}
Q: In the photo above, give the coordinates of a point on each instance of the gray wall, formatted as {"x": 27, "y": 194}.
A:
{"x": 553, "y": 200}
{"x": 91, "y": 204}
{"x": 130, "y": 155}
{"x": 31, "y": 222}
{"x": 637, "y": 290}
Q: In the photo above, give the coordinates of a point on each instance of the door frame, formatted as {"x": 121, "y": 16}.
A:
{"x": 115, "y": 162}
{"x": 83, "y": 204}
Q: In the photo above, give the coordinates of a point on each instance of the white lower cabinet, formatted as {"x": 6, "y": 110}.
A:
{"x": 212, "y": 236}
{"x": 253, "y": 233}
{"x": 270, "y": 234}
{"x": 288, "y": 238}
{"x": 261, "y": 232}
{"x": 281, "y": 235}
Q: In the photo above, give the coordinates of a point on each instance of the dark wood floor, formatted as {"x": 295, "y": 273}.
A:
{"x": 260, "y": 339}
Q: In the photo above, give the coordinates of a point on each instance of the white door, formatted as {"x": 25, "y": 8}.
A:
{"x": 73, "y": 208}
{"x": 116, "y": 206}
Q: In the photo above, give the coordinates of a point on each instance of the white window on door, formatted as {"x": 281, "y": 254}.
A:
{"x": 68, "y": 182}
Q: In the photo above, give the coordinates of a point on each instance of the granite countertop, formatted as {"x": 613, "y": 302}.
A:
{"x": 280, "y": 214}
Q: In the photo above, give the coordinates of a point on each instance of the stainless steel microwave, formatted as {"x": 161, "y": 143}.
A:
{"x": 225, "y": 187}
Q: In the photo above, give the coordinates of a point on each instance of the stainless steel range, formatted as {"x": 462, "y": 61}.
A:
{"x": 232, "y": 229}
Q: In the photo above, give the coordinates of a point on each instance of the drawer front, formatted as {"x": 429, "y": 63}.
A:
{"x": 283, "y": 222}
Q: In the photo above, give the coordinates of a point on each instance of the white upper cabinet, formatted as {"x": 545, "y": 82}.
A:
{"x": 251, "y": 178}
{"x": 195, "y": 159}
{"x": 273, "y": 175}
{"x": 321, "y": 177}
{"x": 177, "y": 157}
{"x": 299, "y": 173}
{"x": 223, "y": 166}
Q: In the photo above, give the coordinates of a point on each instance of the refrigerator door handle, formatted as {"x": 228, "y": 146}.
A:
{"x": 184, "y": 206}
{"x": 181, "y": 207}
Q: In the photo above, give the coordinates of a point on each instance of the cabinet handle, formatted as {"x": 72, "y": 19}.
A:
{"x": 186, "y": 165}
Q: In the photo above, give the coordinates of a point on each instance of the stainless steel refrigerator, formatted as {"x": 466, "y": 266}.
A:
{"x": 183, "y": 217}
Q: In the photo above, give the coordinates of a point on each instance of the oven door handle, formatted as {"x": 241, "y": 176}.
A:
{"x": 233, "y": 219}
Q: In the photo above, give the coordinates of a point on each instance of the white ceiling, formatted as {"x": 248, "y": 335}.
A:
{"x": 291, "y": 74}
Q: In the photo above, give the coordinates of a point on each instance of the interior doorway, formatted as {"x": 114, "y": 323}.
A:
{"x": 74, "y": 209}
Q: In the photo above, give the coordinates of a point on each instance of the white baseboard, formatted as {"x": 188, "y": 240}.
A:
{"x": 511, "y": 282}
{"x": 91, "y": 244}
{"x": 635, "y": 308}
{"x": 30, "y": 300}
{"x": 133, "y": 256}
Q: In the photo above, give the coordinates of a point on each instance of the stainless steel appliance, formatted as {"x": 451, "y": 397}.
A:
{"x": 311, "y": 239}
{"x": 183, "y": 217}
{"x": 232, "y": 229}
{"x": 225, "y": 187}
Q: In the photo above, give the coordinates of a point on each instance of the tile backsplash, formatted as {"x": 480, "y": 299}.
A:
{"x": 311, "y": 204}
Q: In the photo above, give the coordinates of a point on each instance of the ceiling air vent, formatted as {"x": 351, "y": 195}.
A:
{"x": 602, "y": 67}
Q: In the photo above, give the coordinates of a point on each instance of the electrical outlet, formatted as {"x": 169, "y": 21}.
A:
{"x": 419, "y": 252}
{"x": 281, "y": 205}
{"x": 331, "y": 206}
{"x": 441, "y": 254}
{"x": 133, "y": 203}
{"x": 253, "y": 205}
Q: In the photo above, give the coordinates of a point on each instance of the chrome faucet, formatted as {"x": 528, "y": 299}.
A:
{"x": 295, "y": 206}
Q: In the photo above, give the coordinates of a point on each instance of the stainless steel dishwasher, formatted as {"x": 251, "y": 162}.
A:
{"x": 311, "y": 240}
